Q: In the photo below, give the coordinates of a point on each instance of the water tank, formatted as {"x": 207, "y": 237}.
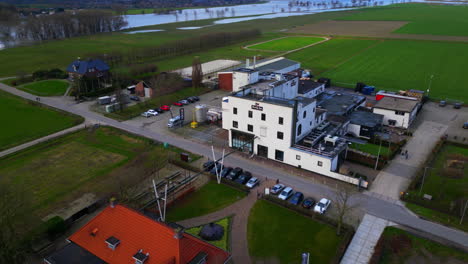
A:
{"x": 200, "y": 113}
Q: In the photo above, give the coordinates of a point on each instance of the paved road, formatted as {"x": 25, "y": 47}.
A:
{"x": 382, "y": 207}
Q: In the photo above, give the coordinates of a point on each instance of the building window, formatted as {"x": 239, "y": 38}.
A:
{"x": 319, "y": 163}
{"x": 234, "y": 110}
{"x": 250, "y": 128}
{"x": 263, "y": 116}
{"x": 250, "y": 114}
{"x": 304, "y": 114}
{"x": 399, "y": 113}
{"x": 235, "y": 124}
{"x": 279, "y": 135}
{"x": 299, "y": 130}
{"x": 280, "y": 120}
{"x": 279, "y": 155}
{"x": 298, "y": 157}
{"x": 391, "y": 122}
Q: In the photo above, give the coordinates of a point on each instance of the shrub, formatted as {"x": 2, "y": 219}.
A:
{"x": 55, "y": 226}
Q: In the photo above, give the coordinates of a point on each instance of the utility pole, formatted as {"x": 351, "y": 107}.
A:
{"x": 464, "y": 211}
{"x": 424, "y": 177}
{"x": 378, "y": 155}
{"x": 430, "y": 83}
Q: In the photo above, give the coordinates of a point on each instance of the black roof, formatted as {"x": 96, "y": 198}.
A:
{"x": 73, "y": 254}
{"x": 366, "y": 118}
{"x": 306, "y": 86}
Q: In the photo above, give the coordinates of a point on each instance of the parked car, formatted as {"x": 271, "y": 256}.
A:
{"x": 184, "y": 102}
{"x": 297, "y": 198}
{"x": 308, "y": 203}
{"x": 177, "y": 104}
{"x": 277, "y": 188}
{"x": 196, "y": 98}
{"x": 134, "y": 98}
{"x": 146, "y": 114}
{"x": 207, "y": 166}
{"x": 286, "y": 193}
{"x": 457, "y": 105}
{"x": 190, "y": 99}
{"x": 234, "y": 174}
{"x": 215, "y": 167}
{"x": 165, "y": 108}
{"x": 322, "y": 206}
{"x": 252, "y": 182}
{"x": 159, "y": 110}
{"x": 175, "y": 121}
{"x": 244, "y": 178}
{"x": 442, "y": 103}
{"x": 465, "y": 125}
{"x": 225, "y": 171}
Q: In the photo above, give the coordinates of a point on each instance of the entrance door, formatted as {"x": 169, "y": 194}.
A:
{"x": 242, "y": 141}
{"x": 262, "y": 151}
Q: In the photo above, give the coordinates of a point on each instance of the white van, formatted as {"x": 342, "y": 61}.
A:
{"x": 174, "y": 121}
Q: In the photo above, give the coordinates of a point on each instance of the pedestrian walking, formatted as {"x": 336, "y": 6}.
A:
{"x": 406, "y": 155}
{"x": 277, "y": 181}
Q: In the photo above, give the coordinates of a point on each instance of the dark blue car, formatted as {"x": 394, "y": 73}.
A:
{"x": 297, "y": 198}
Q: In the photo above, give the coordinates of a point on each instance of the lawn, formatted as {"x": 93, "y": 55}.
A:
{"x": 23, "y": 120}
{"x": 287, "y": 43}
{"x": 448, "y": 20}
{"x": 279, "y": 235}
{"x": 330, "y": 54}
{"x": 372, "y": 149}
{"x": 210, "y": 198}
{"x": 224, "y": 242}
{"x": 399, "y": 246}
{"x": 436, "y": 216}
{"x": 46, "y": 88}
{"x": 402, "y": 64}
{"x": 447, "y": 192}
{"x": 101, "y": 161}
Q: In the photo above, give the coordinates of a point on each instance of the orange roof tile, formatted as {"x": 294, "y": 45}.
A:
{"x": 136, "y": 231}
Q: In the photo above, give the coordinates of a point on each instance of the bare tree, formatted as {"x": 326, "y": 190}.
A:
{"x": 197, "y": 73}
{"x": 344, "y": 206}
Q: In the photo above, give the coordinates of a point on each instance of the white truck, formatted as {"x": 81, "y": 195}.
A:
{"x": 175, "y": 121}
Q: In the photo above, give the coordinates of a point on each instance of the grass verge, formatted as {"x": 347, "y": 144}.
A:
{"x": 210, "y": 198}
{"x": 46, "y": 87}
{"x": 280, "y": 235}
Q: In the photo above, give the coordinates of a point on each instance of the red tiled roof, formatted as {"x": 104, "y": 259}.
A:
{"x": 136, "y": 231}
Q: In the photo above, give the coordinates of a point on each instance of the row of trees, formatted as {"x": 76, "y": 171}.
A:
{"x": 66, "y": 25}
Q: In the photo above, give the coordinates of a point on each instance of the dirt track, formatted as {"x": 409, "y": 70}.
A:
{"x": 378, "y": 29}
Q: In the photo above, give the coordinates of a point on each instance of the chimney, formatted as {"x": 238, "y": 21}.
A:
{"x": 179, "y": 233}
{"x": 112, "y": 202}
{"x": 254, "y": 62}
{"x": 247, "y": 63}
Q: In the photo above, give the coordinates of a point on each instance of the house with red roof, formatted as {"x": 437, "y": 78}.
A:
{"x": 119, "y": 235}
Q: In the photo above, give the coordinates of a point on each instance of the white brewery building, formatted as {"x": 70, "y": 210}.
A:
{"x": 292, "y": 120}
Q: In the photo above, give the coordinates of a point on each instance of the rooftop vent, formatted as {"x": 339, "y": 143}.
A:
{"x": 112, "y": 242}
{"x": 140, "y": 257}
{"x": 94, "y": 232}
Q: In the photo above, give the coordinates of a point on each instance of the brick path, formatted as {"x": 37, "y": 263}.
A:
{"x": 241, "y": 211}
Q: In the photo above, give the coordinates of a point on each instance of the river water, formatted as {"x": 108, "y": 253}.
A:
{"x": 269, "y": 10}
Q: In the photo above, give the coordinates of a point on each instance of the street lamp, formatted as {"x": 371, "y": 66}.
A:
{"x": 424, "y": 177}
{"x": 378, "y": 155}
{"x": 430, "y": 83}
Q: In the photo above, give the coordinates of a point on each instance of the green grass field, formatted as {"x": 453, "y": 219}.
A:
{"x": 436, "y": 216}
{"x": 400, "y": 246}
{"x": 210, "y": 198}
{"x": 23, "y": 120}
{"x": 399, "y": 65}
{"x": 224, "y": 242}
{"x": 286, "y": 44}
{"x": 46, "y": 88}
{"x": 427, "y": 19}
{"x": 372, "y": 149}
{"x": 330, "y": 54}
{"x": 278, "y": 235}
{"x": 444, "y": 190}
{"x": 95, "y": 161}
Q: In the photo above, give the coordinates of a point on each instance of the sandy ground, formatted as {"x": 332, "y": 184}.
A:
{"x": 209, "y": 67}
{"x": 379, "y": 29}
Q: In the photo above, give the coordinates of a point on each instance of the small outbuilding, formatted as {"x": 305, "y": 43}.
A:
{"x": 364, "y": 123}
{"x": 397, "y": 112}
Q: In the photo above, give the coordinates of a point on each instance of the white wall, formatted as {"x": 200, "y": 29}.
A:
{"x": 401, "y": 120}
{"x": 240, "y": 79}
{"x": 354, "y": 129}
{"x": 313, "y": 93}
{"x": 309, "y": 122}
{"x": 287, "y": 90}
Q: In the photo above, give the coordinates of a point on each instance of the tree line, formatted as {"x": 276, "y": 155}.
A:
{"x": 176, "y": 48}
{"x": 67, "y": 25}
